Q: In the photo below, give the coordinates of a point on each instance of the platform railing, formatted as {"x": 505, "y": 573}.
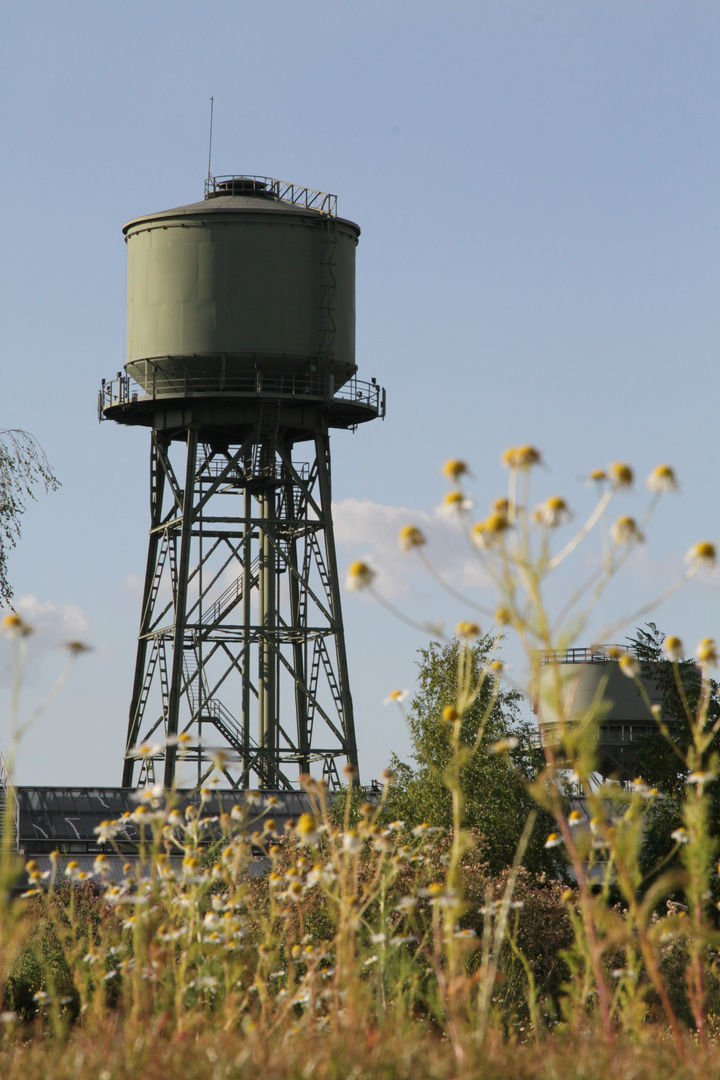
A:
{"x": 162, "y": 383}
{"x": 595, "y": 654}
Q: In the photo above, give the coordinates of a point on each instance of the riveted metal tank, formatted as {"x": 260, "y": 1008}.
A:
{"x": 243, "y": 283}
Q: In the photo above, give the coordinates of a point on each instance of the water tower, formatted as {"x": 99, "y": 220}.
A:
{"x": 587, "y": 676}
{"x": 240, "y": 361}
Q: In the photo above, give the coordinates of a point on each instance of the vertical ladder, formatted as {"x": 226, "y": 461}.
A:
{"x": 157, "y": 577}
{"x": 322, "y": 569}
{"x": 332, "y": 681}
{"x": 164, "y": 688}
{"x": 147, "y": 682}
{"x": 328, "y": 286}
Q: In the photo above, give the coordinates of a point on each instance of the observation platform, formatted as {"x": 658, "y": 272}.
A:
{"x": 220, "y": 400}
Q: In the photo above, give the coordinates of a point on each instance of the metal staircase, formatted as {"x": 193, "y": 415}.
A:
{"x": 230, "y": 597}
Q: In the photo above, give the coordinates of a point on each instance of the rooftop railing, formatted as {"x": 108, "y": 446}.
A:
{"x": 595, "y": 654}
{"x": 282, "y": 190}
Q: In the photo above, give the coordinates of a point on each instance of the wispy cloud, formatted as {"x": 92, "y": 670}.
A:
{"x": 369, "y": 530}
{"x": 54, "y": 624}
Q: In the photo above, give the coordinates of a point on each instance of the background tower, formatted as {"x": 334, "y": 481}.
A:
{"x": 587, "y": 676}
{"x": 240, "y": 349}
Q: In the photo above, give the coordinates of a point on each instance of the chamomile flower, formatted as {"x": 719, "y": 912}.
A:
{"x": 183, "y": 740}
{"x": 707, "y": 652}
{"x": 553, "y": 512}
{"x": 152, "y": 795}
{"x": 352, "y": 842}
{"x": 625, "y": 531}
{"x": 553, "y": 840}
{"x": 307, "y": 830}
{"x": 662, "y": 479}
{"x": 220, "y": 760}
{"x": 503, "y": 615}
{"x": 359, "y": 576}
{"x": 107, "y": 831}
{"x": 75, "y": 648}
{"x": 673, "y": 647}
{"x": 454, "y": 469}
{"x": 521, "y": 457}
{"x": 146, "y": 750}
{"x": 453, "y": 504}
{"x": 14, "y": 626}
{"x": 488, "y": 532}
{"x": 629, "y": 665}
{"x": 411, "y": 537}
{"x": 467, "y": 631}
{"x": 620, "y": 474}
{"x": 701, "y": 556}
{"x": 396, "y": 695}
{"x": 700, "y": 778}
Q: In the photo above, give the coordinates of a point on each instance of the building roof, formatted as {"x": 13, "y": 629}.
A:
{"x": 65, "y": 819}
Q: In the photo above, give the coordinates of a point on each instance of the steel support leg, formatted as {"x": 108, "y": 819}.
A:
{"x": 157, "y": 485}
{"x": 181, "y": 605}
{"x": 322, "y": 450}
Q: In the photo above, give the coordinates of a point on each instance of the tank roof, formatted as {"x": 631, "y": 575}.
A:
{"x": 256, "y": 202}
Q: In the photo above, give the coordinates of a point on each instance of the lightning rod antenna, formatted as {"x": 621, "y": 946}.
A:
{"x": 210, "y": 147}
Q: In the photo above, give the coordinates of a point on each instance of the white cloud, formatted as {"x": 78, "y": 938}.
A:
{"x": 369, "y": 530}
{"x": 53, "y": 624}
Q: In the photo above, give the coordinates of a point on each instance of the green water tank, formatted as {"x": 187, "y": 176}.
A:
{"x": 588, "y": 679}
{"x": 252, "y": 282}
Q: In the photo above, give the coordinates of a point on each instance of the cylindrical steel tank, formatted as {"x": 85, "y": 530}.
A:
{"x": 586, "y": 684}
{"x": 240, "y": 284}
{"x": 590, "y": 681}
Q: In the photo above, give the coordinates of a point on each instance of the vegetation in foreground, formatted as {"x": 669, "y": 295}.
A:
{"x": 386, "y": 945}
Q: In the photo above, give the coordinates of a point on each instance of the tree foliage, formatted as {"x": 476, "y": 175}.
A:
{"x": 495, "y": 785}
{"x": 23, "y": 466}
{"x": 654, "y": 758}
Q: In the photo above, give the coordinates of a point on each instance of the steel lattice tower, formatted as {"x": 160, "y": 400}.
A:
{"x": 241, "y": 644}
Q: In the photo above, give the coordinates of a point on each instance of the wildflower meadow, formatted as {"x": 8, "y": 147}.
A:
{"x": 378, "y": 934}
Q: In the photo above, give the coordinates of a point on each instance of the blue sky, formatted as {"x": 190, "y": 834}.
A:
{"x": 536, "y": 184}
